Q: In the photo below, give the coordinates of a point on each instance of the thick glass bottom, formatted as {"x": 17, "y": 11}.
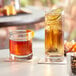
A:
{"x": 54, "y": 59}
{"x": 18, "y": 57}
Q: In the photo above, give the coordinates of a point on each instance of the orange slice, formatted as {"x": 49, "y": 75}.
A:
{"x": 30, "y": 31}
{"x": 55, "y": 14}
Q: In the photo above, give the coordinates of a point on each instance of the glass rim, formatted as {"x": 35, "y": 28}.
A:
{"x": 18, "y": 32}
{"x": 52, "y": 11}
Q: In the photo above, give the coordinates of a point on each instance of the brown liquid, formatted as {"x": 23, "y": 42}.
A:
{"x": 21, "y": 48}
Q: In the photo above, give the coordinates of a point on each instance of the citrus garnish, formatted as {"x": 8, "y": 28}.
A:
{"x": 55, "y": 14}
{"x": 30, "y": 31}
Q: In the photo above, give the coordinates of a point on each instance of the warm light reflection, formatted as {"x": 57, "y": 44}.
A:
{"x": 14, "y": 68}
{"x": 31, "y": 70}
{"x": 48, "y": 71}
{"x": 32, "y": 67}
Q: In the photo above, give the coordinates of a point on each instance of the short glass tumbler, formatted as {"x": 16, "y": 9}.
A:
{"x": 20, "y": 44}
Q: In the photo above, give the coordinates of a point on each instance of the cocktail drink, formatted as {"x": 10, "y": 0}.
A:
{"x": 20, "y": 44}
{"x": 54, "y": 46}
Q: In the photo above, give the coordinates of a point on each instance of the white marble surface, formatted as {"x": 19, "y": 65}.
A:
{"x": 30, "y": 69}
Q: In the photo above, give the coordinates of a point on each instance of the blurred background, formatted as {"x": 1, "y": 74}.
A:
{"x": 37, "y": 7}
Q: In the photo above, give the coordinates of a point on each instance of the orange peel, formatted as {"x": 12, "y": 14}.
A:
{"x": 30, "y": 31}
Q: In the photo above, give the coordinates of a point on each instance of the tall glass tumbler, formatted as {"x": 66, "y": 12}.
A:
{"x": 20, "y": 44}
{"x": 54, "y": 41}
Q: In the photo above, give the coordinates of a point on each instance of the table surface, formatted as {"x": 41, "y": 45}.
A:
{"x": 32, "y": 68}
{"x": 24, "y": 19}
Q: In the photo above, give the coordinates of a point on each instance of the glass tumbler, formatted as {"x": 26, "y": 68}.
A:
{"x": 54, "y": 41}
{"x": 20, "y": 44}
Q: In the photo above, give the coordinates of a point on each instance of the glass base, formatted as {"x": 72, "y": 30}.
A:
{"x": 24, "y": 57}
{"x": 54, "y": 59}
{"x": 49, "y": 61}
